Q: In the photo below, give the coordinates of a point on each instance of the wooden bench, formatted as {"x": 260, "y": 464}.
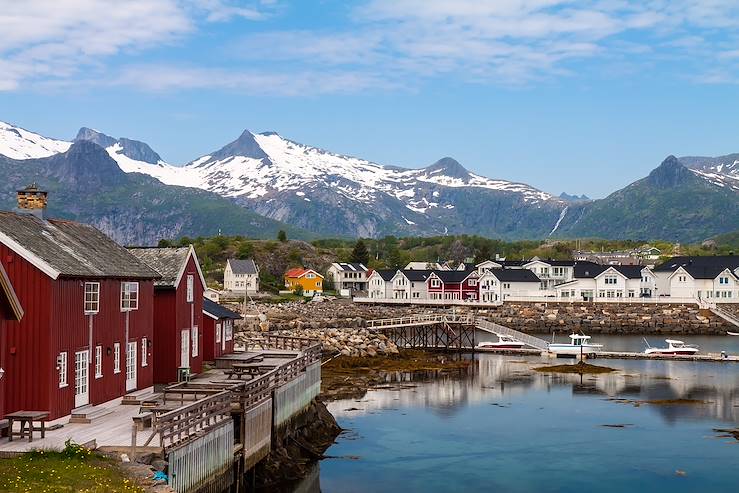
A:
{"x": 143, "y": 420}
{"x": 27, "y": 420}
{"x": 4, "y": 427}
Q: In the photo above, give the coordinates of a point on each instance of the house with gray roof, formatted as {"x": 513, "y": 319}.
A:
{"x": 348, "y": 278}
{"x": 241, "y": 276}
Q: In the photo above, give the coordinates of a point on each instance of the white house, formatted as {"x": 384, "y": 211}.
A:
{"x": 347, "y": 277}
{"x": 500, "y": 284}
{"x": 212, "y": 295}
{"x": 487, "y": 265}
{"x": 410, "y": 284}
{"x": 700, "y": 277}
{"x": 241, "y": 276}
{"x": 552, "y": 272}
{"x": 380, "y": 283}
{"x": 594, "y": 282}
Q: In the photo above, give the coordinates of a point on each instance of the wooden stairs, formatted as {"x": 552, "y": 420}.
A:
{"x": 87, "y": 414}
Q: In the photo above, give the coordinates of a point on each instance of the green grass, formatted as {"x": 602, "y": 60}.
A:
{"x": 73, "y": 469}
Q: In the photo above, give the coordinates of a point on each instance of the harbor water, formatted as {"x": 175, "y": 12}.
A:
{"x": 501, "y": 426}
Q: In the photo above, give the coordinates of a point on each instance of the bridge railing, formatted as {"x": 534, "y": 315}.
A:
{"x": 430, "y": 318}
{"x": 527, "y": 339}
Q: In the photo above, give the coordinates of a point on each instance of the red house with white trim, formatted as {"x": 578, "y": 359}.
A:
{"x": 453, "y": 285}
{"x": 85, "y": 337}
{"x": 218, "y": 330}
{"x": 178, "y": 310}
{"x": 10, "y": 310}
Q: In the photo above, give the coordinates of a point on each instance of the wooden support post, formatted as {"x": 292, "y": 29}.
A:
{"x": 134, "y": 436}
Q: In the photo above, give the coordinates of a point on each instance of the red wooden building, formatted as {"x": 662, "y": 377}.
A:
{"x": 453, "y": 285}
{"x": 86, "y": 335}
{"x": 178, "y": 310}
{"x": 10, "y": 310}
{"x": 218, "y": 330}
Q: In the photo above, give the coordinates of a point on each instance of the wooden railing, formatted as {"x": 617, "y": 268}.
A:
{"x": 428, "y": 319}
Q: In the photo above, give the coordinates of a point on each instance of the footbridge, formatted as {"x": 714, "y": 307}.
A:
{"x": 726, "y": 315}
{"x": 445, "y": 331}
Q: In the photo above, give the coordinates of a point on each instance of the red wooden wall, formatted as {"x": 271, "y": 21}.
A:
{"x": 3, "y": 315}
{"x": 54, "y": 322}
{"x": 172, "y": 314}
{"x": 214, "y": 349}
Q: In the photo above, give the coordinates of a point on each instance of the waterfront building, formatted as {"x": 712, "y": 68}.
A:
{"x": 712, "y": 278}
{"x": 410, "y": 284}
{"x": 241, "y": 276}
{"x": 309, "y": 280}
{"x": 87, "y": 331}
{"x": 178, "y": 311}
{"x": 218, "y": 330}
{"x": 348, "y": 278}
{"x": 501, "y": 284}
{"x": 380, "y": 283}
{"x": 602, "y": 282}
{"x": 453, "y": 285}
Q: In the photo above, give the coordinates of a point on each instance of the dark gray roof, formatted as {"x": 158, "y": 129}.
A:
{"x": 245, "y": 266}
{"x": 386, "y": 274}
{"x": 589, "y": 270}
{"x": 515, "y": 275}
{"x": 416, "y": 275}
{"x": 220, "y": 311}
{"x": 351, "y": 267}
{"x": 715, "y": 263}
{"x": 71, "y": 249}
{"x": 453, "y": 276}
{"x": 168, "y": 262}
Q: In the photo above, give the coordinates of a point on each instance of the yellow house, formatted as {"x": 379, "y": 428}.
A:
{"x": 310, "y": 280}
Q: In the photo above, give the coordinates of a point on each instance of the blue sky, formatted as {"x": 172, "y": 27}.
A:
{"x": 576, "y": 96}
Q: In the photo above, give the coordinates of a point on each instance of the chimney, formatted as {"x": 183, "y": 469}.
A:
{"x": 32, "y": 200}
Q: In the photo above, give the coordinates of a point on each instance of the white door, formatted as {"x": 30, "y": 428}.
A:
{"x": 131, "y": 361}
{"x": 222, "y": 328}
{"x": 185, "y": 349}
{"x": 81, "y": 379}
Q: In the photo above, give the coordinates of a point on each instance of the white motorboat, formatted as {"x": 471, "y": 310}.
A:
{"x": 504, "y": 342}
{"x": 580, "y": 345}
{"x": 673, "y": 347}
{"x": 732, "y": 333}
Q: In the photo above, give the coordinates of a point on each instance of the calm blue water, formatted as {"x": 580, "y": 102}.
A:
{"x": 503, "y": 427}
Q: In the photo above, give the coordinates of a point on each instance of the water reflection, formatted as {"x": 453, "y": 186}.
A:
{"x": 498, "y": 378}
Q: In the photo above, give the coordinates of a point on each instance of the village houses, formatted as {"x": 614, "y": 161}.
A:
{"x": 348, "y": 278}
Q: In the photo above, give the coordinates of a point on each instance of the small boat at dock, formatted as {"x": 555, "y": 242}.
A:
{"x": 579, "y": 345}
{"x": 504, "y": 342}
{"x": 732, "y": 333}
{"x": 674, "y": 347}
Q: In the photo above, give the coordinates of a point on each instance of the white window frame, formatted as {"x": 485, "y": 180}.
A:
{"x": 92, "y": 305}
{"x": 98, "y": 361}
{"x": 63, "y": 369}
{"x": 472, "y": 282}
{"x": 218, "y": 333}
{"x": 144, "y": 351}
{"x": 228, "y": 334}
{"x": 129, "y": 296}
{"x": 435, "y": 282}
{"x": 116, "y": 357}
{"x": 190, "y": 288}
{"x": 194, "y": 341}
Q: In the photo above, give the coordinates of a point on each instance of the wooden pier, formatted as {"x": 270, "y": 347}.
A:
{"x": 211, "y": 429}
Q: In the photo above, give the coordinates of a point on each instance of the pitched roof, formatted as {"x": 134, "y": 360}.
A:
{"x": 712, "y": 263}
{"x": 66, "y": 248}
{"x": 8, "y": 298}
{"x": 515, "y": 275}
{"x": 350, "y": 267}
{"x": 385, "y": 274}
{"x": 170, "y": 263}
{"x": 414, "y": 275}
{"x": 245, "y": 266}
{"x": 300, "y": 272}
{"x": 590, "y": 270}
{"x": 554, "y": 263}
{"x": 216, "y": 311}
{"x": 628, "y": 271}
{"x": 453, "y": 276}
{"x": 705, "y": 271}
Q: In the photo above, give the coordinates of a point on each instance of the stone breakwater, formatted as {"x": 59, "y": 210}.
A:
{"x": 348, "y": 342}
{"x": 611, "y": 318}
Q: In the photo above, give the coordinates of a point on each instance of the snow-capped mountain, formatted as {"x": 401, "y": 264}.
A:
{"x": 337, "y": 195}
{"x": 19, "y": 143}
{"x": 722, "y": 171}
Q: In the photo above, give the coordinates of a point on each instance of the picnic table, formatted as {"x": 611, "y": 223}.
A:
{"x": 27, "y": 420}
{"x": 249, "y": 369}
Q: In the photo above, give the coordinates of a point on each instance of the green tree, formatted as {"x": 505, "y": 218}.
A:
{"x": 246, "y": 250}
{"x": 360, "y": 254}
{"x": 164, "y": 243}
{"x": 282, "y": 236}
{"x": 483, "y": 253}
{"x": 298, "y": 291}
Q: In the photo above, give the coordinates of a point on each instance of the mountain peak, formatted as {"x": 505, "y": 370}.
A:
{"x": 670, "y": 173}
{"x": 85, "y": 164}
{"x": 246, "y": 146}
{"x": 134, "y": 149}
{"x": 448, "y": 166}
